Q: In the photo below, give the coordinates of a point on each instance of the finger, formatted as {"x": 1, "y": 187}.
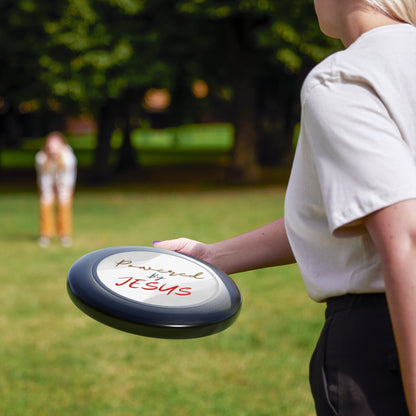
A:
{"x": 174, "y": 245}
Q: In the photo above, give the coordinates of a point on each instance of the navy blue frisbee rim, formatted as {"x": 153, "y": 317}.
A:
{"x": 105, "y": 306}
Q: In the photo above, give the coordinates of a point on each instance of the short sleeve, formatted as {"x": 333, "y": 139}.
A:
{"x": 40, "y": 159}
{"x": 363, "y": 163}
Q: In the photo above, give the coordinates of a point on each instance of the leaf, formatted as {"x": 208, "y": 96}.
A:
{"x": 289, "y": 58}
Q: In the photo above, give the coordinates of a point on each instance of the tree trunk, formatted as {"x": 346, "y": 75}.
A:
{"x": 127, "y": 155}
{"x": 280, "y": 112}
{"x": 101, "y": 170}
{"x": 244, "y": 165}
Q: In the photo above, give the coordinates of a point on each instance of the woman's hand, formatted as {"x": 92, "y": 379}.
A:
{"x": 266, "y": 246}
{"x": 186, "y": 246}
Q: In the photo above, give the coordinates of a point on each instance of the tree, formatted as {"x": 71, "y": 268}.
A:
{"x": 94, "y": 60}
{"x": 22, "y": 41}
{"x": 104, "y": 54}
{"x": 266, "y": 47}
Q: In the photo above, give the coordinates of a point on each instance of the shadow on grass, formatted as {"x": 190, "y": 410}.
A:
{"x": 149, "y": 179}
{"x": 19, "y": 237}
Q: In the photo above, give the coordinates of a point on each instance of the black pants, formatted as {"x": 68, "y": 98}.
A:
{"x": 354, "y": 370}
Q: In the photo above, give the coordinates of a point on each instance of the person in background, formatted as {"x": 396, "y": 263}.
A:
{"x": 350, "y": 211}
{"x": 56, "y": 168}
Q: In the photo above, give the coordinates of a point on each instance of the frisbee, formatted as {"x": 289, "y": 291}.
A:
{"x": 153, "y": 292}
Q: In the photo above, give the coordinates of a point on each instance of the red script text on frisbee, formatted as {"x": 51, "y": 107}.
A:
{"x": 134, "y": 283}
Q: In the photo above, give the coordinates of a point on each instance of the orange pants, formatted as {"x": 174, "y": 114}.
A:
{"x": 48, "y": 224}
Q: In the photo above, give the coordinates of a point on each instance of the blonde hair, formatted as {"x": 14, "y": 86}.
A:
{"x": 56, "y": 134}
{"x": 403, "y": 10}
{"x": 52, "y": 163}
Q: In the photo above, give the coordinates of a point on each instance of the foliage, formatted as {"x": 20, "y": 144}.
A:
{"x": 266, "y": 48}
{"x": 102, "y": 48}
{"x": 287, "y": 28}
{"x": 101, "y": 56}
{"x": 90, "y": 50}
{"x": 22, "y": 40}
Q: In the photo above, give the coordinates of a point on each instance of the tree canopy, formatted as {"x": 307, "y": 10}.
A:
{"x": 101, "y": 56}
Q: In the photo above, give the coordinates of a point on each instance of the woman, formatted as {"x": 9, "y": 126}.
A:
{"x": 350, "y": 211}
{"x": 56, "y": 174}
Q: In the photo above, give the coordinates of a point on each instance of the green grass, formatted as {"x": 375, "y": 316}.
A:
{"x": 54, "y": 360}
{"x": 184, "y": 144}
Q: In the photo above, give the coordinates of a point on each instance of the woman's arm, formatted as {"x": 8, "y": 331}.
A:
{"x": 393, "y": 230}
{"x": 263, "y": 247}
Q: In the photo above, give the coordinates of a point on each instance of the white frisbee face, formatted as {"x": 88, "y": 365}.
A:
{"x": 153, "y": 292}
{"x": 158, "y": 279}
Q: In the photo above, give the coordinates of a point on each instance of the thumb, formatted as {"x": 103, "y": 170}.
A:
{"x": 177, "y": 244}
{"x": 187, "y": 246}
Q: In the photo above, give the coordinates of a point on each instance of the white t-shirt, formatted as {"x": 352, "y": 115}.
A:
{"x": 56, "y": 178}
{"x": 356, "y": 154}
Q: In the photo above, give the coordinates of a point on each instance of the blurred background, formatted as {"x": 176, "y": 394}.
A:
{"x": 139, "y": 83}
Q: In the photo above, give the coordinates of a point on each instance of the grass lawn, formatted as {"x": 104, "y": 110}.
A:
{"x": 56, "y": 361}
{"x": 183, "y": 144}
